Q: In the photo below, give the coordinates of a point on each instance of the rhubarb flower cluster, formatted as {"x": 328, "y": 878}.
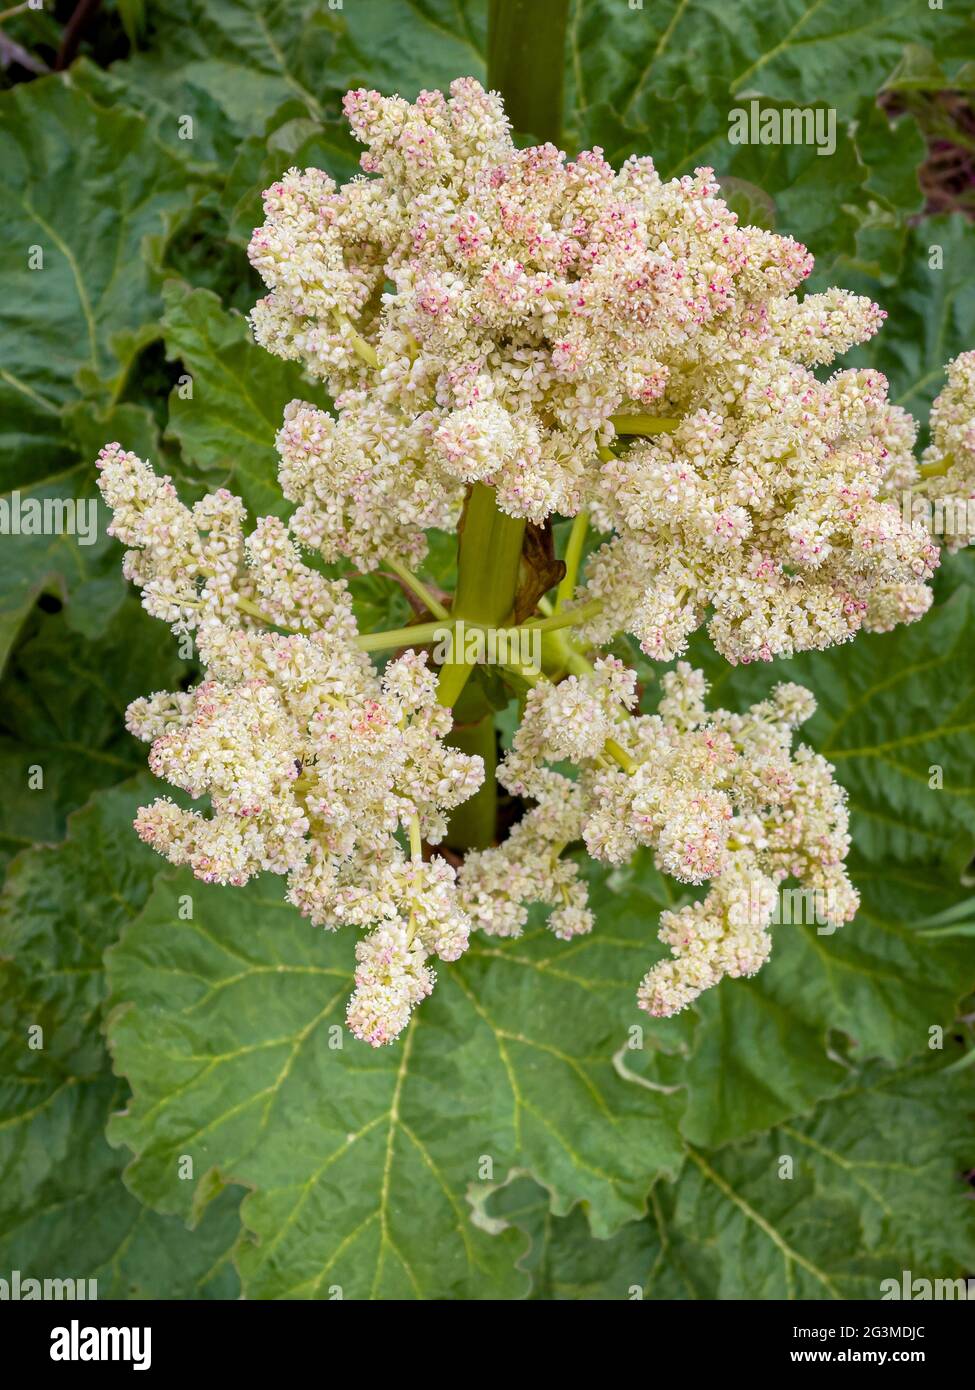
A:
{"x": 499, "y": 885}
{"x": 311, "y": 761}
{"x": 765, "y": 506}
{"x": 584, "y": 338}
{"x": 714, "y": 796}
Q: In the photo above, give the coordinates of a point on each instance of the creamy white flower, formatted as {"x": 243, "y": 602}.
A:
{"x": 498, "y": 885}
{"x": 313, "y": 763}
{"x": 948, "y": 464}
{"x": 716, "y": 796}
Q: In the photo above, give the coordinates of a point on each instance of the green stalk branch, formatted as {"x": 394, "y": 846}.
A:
{"x": 939, "y": 469}
{"x": 572, "y": 617}
{"x": 526, "y": 42}
{"x": 359, "y": 345}
{"x": 573, "y": 555}
{"x": 619, "y": 755}
{"x": 417, "y": 586}
{"x": 644, "y": 424}
{"x": 420, "y": 634}
{"x": 416, "y": 636}
{"x": 247, "y": 606}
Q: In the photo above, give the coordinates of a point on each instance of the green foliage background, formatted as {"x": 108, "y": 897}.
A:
{"x": 614, "y": 1171}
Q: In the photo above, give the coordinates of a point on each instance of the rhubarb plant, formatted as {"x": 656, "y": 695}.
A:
{"x": 571, "y": 593}
{"x": 511, "y": 337}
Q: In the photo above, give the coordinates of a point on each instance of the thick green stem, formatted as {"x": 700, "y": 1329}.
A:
{"x": 489, "y": 552}
{"x": 488, "y": 556}
{"x": 526, "y": 42}
{"x": 472, "y": 824}
{"x": 487, "y": 576}
{"x": 526, "y": 46}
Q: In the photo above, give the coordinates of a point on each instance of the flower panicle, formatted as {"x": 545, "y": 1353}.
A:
{"x": 585, "y": 342}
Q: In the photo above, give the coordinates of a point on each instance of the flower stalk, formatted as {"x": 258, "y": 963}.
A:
{"x": 644, "y": 424}
{"x": 488, "y": 555}
{"x": 473, "y": 823}
{"x": 573, "y": 556}
{"x": 519, "y": 31}
{"x": 416, "y": 585}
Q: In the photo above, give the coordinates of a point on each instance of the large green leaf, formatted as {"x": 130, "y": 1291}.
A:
{"x": 769, "y": 1047}
{"x": 759, "y": 1050}
{"x": 891, "y": 152}
{"x": 85, "y": 192}
{"x": 931, "y": 312}
{"x": 61, "y": 906}
{"x": 32, "y": 444}
{"x": 182, "y": 112}
{"x": 72, "y": 556}
{"x": 877, "y": 1189}
{"x": 63, "y": 1210}
{"x": 232, "y": 63}
{"x": 62, "y": 707}
{"x": 88, "y": 200}
{"x": 564, "y": 1259}
{"x": 874, "y": 1188}
{"x": 74, "y": 559}
{"x": 801, "y": 52}
{"x": 227, "y": 1027}
{"x": 663, "y": 78}
{"x": 422, "y": 43}
{"x": 226, "y": 428}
